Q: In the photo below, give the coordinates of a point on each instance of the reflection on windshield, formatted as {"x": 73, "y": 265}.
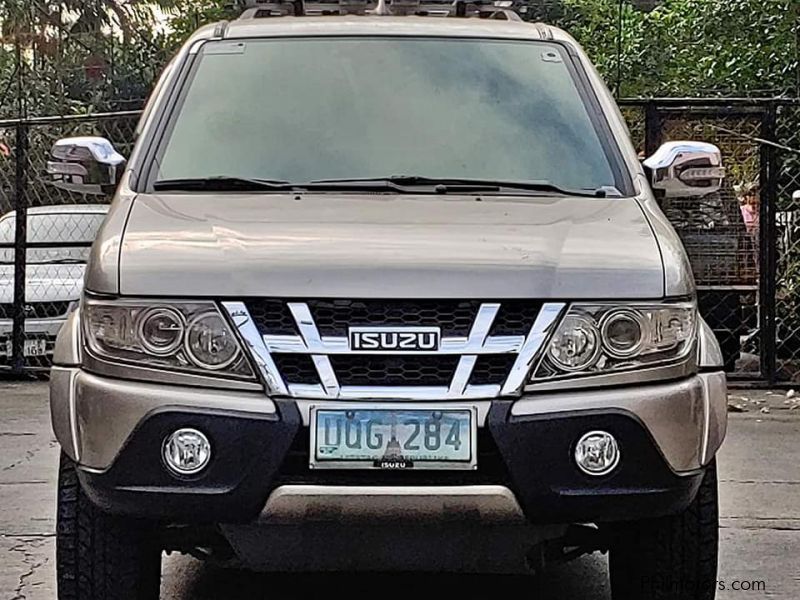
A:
{"x": 309, "y": 109}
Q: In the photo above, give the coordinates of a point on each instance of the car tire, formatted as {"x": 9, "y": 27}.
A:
{"x": 101, "y": 556}
{"x": 730, "y": 346}
{"x": 669, "y": 558}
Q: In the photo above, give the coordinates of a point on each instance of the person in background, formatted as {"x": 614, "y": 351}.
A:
{"x": 749, "y": 205}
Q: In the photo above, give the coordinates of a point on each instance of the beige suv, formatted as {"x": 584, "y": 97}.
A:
{"x": 385, "y": 286}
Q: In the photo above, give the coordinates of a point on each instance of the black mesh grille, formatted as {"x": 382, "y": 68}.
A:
{"x": 272, "y": 317}
{"x": 394, "y": 370}
{"x": 515, "y": 317}
{"x": 333, "y": 317}
{"x": 296, "y": 368}
{"x": 37, "y": 310}
{"x": 492, "y": 369}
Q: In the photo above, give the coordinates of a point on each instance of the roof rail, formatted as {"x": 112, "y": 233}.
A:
{"x": 491, "y": 9}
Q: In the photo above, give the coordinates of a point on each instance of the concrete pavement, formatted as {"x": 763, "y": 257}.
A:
{"x": 759, "y": 470}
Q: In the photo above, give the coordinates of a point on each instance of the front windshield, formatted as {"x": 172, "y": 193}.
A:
{"x": 305, "y": 109}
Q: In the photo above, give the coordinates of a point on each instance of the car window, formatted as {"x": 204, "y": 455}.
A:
{"x": 304, "y": 109}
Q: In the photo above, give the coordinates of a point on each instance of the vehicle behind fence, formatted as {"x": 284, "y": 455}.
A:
{"x": 743, "y": 242}
{"x": 45, "y": 233}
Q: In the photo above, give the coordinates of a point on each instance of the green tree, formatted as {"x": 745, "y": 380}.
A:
{"x": 78, "y": 56}
{"x": 689, "y": 47}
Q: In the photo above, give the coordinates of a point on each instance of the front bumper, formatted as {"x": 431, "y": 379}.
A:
{"x": 39, "y": 329}
{"x": 114, "y": 429}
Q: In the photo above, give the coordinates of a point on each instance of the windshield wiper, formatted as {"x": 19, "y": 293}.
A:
{"x": 443, "y": 185}
{"x": 224, "y": 183}
{"x": 403, "y": 184}
{"x": 59, "y": 261}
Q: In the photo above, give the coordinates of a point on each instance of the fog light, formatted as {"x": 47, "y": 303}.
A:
{"x": 186, "y": 451}
{"x": 597, "y": 453}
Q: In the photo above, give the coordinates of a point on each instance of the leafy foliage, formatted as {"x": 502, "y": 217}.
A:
{"x": 99, "y": 55}
{"x": 77, "y": 56}
{"x": 688, "y": 47}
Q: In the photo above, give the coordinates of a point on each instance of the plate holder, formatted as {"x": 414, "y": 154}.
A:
{"x": 315, "y": 464}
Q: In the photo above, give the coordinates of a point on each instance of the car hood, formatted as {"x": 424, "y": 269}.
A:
{"x": 44, "y": 282}
{"x": 391, "y": 246}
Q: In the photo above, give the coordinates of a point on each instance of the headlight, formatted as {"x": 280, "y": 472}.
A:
{"x": 595, "y": 338}
{"x": 576, "y": 344}
{"x": 184, "y": 336}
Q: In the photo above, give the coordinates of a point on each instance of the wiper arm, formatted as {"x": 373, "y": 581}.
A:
{"x": 224, "y": 183}
{"x": 444, "y": 185}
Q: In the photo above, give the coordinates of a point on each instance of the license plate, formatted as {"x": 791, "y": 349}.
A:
{"x": 30, "y": 348}
{"x": 393, "y": 438}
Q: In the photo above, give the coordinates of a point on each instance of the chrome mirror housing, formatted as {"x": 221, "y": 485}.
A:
{"x": 686, "y": 169}
{"x": 87, "y": 165}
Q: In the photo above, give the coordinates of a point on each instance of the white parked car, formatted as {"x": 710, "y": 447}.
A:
{"x": 59, "y": 240}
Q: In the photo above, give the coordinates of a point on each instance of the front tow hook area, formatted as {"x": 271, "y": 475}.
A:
{"x": 578, "y": 539}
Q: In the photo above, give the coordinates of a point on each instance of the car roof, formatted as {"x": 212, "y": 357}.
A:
{"x": 288, "y": 26}
{"x": 61, "y": 209}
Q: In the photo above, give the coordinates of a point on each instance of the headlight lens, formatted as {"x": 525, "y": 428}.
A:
{"x": 184, "y": 336}
{"x": 576, "y": 344}
{"x": 596, "y": 338}
{"x": 161, "y": 330}
{"x": 210, "y": 343}
{"x": 623, "y": 332}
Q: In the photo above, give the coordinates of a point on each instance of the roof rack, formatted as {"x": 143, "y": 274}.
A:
{"x": 487, "y": 9}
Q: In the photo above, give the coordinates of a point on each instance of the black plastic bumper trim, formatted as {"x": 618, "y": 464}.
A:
{"x": 533, "y": 455}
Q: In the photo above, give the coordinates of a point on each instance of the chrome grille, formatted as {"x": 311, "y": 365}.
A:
{"x": 302, "y": 348}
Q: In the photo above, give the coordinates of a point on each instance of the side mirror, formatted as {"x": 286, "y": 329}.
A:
{"x": 87, "y": 165}
{"x": 686, "y": 169}
{"x": 796, "y": 196}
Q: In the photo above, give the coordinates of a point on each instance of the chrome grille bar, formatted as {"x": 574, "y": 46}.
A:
{"x": 243, "y": 322}
{"x": 294, "y": 344}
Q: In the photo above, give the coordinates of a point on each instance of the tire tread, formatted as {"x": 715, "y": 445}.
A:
{"x": 100, "y": 556}
{"x": 670, "y": 558}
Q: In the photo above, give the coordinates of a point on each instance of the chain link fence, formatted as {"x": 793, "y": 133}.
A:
{"x": 45, "y": 233}
{"x": 743, "y": 242}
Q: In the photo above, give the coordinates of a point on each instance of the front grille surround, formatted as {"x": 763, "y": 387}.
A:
{"x": 489, "y": 356}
